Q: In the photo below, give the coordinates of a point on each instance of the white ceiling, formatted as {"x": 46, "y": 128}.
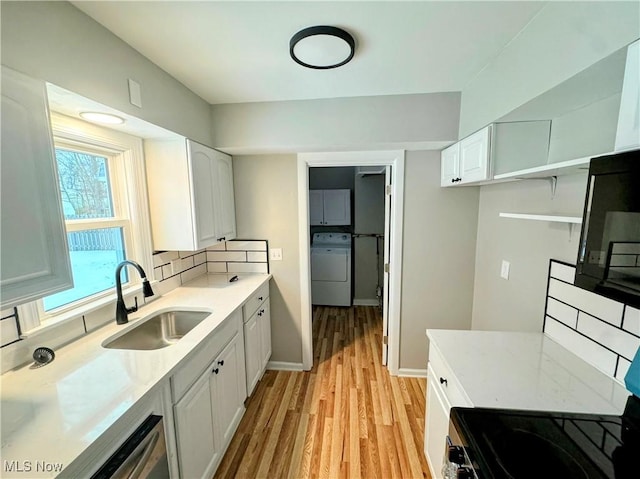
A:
{"x": 236, "y": 51}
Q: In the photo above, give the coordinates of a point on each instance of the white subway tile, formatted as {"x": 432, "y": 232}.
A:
{"x": 562, "y": 312}
{"x": 217, "y": 247}
{"x": 623, "y": 367}
{"x": 246, "y": 245}
{"x": 186, "y": 254}
{"x": 165, "y": 257}
{"x": 623, "y": 260}
{"x": 166, "y": 271}
{"x": 200, "y": 258}
{"x": 8, "y": 331}
{"x": 167, "y": 285}
{"x": 247, "y": 267}
{"x": 596, "y": 305}
{"x": 616, "y": 339}
{"x": 157, "y": 274}
{"x": 226, "y": 256}
{"x": 100, "y": 317}
{"x": 257, "y": 256}
{"x": 7, "y": 312}
{"x": 217, "y": 267}
{"x": 632, "y": 320}
{"x": 193, "y": 273}
{"x": 582, "y": 347}
{"x": 186, "y": 263}
{"x": 563, "y": 272}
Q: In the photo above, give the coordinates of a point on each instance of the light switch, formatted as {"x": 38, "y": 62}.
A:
{"x": 275, "y": 254}
{"x": 504, "y": 271}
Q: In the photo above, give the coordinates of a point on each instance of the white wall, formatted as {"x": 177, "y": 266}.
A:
{"x": 440, "y": 227}
{"x": 562, "y": 40}
{"x": 517, "y": 304}
{"x": 339, "y": 124}
{"x": 56, "y": 42}
{"x": 266, "y": 193}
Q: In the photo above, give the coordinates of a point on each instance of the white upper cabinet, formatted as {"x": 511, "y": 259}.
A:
{"x": 496, "y": 149}
{"x": 190, "y": 195}
{"x": 330, "y": 207}
{"x": 35, "y": 257}
{"x": 628, "y": 131}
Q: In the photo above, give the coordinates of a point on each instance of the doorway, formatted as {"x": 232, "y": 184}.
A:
{"x": 393, "y": 164}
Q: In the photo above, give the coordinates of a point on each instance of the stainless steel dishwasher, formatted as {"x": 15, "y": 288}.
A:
{"x": 143, "y": 454}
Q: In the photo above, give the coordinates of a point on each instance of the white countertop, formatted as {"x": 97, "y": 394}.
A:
{"x": 55, "y": 412}
{"x": 526, "y": 371}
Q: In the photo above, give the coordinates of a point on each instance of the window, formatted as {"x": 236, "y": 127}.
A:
{"x": 103, "y": 192}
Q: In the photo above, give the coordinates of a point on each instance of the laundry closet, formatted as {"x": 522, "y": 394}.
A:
{"x": 346, "y": 216}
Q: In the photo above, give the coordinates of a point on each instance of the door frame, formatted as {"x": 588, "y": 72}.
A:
{"x": 393, "y": 158}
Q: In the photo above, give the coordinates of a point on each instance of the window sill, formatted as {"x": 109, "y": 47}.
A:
{"x": 75, "y": 313}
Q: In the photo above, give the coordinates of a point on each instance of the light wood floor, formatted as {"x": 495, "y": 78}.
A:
{"x": 346, "y": 418}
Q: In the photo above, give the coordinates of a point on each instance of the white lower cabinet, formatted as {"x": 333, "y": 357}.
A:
{"x": 257, "y": 336}
{"x": 207, "y": 412}
{"x": 443, "y": 393}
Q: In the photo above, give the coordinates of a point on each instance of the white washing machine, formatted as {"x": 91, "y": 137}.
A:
{"x": 331, "y": 269}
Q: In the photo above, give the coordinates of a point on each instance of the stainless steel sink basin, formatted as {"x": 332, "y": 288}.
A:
{"x": 159, "y": 331}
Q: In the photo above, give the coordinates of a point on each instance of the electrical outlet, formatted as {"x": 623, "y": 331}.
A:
{"x": 275, "y": 254}
{"x": 504, "y": 271}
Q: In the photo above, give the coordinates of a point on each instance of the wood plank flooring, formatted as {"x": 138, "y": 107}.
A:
{"x": 346, "y": 418}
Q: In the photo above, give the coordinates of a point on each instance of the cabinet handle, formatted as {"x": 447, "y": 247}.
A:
{"x": 260, "y": 298}
{"x": 443, "y": 381}
{"x": 221, "y": 362}
{"x": 453, "y": 180}
{"x": 215, "y": 370}
{"x": 224, "y": 238}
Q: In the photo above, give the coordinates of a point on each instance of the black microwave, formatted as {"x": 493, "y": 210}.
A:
{"x": 609, "y": 251}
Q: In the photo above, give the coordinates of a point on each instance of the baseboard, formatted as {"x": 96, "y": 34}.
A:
{"x": 412, "y": 373}
{"x": 365, "y": 302}
{"x": 284, "y": 366}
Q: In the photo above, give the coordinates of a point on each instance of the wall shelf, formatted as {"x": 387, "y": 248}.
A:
{"x": 569, "y": 220}
{"x": 568, "y": 167}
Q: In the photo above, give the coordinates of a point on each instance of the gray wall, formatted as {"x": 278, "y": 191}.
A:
{"x": 440, "y": 227}
{"x": 517, "y": 304}
{"x": 563, "y": 39}
{"x": 380, "y": 122}
{"x": 266, "y": 193}
{"x": 56, "y": 42}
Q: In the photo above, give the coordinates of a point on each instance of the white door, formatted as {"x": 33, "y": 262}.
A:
{"x": 225, "y": 211}
{"x": 385, "y": 275}
{"x": 450, "y": 165}
{"x": 316, "y": 207}
{"x": 203, "y": 177}
{"x": 252, "y": 352}
{"x": 474, "y": 156}
{"x": 229, "y": 392}
{"x": 337, "y": 207}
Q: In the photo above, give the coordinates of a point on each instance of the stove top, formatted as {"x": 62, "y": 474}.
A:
{"x": 513, "y": 444}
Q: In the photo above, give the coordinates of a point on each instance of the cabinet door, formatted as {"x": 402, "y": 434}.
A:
{"x": 229, "y": 391}
{"x": 628, "y": 130}
{"x": 436, "y": 427}
{"x": 198, "y": 450}
{"x": 337, "y": 207}
{"x": 225, "y": 202}
{"x": 202, "y": 161}
{"x": 35, "y": 257}
{"x": 252, "y": 352}
{"x": 474, "y": 156}
{"x": 450, "y": 165}
{"x": 264, "y": 320}
{"x": 316, "y": 208}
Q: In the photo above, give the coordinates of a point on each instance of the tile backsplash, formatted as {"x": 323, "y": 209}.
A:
{"x": 9, "y": 327}
{"x": 603, "y": 332}
{"x": 238, "y": 256}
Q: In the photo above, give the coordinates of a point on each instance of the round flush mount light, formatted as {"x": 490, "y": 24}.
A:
{"x": 322, "y": 47}
{"x": 105, "y": 118}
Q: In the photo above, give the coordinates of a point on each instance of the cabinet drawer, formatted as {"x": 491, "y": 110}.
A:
{"x": 447, "y": 383}
{"x": 256, "y": 299}
{"x": 193, "y": 367}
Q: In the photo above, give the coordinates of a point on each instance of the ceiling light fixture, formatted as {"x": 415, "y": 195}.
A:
{"x": 105, "y": 118}
{"x": 322, "y": 47}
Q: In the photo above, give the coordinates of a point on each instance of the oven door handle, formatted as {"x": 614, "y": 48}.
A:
{"x": 143, "y": 457}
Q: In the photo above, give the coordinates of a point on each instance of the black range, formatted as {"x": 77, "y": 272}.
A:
{"x": 511, "y": 444}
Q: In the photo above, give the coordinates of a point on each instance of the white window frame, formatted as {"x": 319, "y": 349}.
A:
{"x": 129, "y": 191}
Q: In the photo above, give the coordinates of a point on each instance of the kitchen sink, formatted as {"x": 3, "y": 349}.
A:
{"x": 159, "y": 331}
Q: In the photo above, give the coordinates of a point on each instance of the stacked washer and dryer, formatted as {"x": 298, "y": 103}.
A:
{"x": 331, "y": 269}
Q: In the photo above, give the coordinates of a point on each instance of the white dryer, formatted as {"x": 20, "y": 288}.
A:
{"x": 331, "y": 269}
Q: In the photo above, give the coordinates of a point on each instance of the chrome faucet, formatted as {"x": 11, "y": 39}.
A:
{"x": 121, "y": 309}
